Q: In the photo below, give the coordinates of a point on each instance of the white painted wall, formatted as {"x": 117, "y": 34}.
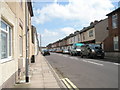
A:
{"x": 7, "y": 69}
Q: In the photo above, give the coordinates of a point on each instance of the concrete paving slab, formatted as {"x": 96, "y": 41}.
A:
{"x": 41, "y": 75}
{"x": 51, "y": 85}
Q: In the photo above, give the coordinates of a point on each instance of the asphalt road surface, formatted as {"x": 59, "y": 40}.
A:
{"x": 84, "y": 72}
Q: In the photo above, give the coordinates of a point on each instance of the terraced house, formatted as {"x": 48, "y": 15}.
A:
{"x": 13, "y": 41}
{"x": 112, "y": 42}
{"x": 95, "y": 33}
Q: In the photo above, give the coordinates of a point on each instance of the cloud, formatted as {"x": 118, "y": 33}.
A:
{"x": 68, "y": 30}
{"x": 48, "y": 33}
{"x": 114, "y": 0}
{"x": 75, "y": 14}
{"x": 49, "y": 36}
{"x": 76, "y": 10}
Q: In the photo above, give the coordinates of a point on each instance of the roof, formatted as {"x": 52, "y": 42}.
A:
{"x": 87, "y": 28}
{"x": 118, "y": 9}
{"x": 92, "y": 25}
{"x": 76, "y": 32}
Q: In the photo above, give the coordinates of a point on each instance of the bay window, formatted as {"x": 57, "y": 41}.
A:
{"x": 6, "y": 40}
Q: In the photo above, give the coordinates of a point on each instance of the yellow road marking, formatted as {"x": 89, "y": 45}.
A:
{"x": 69, "y": 84}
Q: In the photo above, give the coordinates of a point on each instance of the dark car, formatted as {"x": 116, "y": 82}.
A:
{"x": 45, "y": 52}
{"x": 92, "y": 51}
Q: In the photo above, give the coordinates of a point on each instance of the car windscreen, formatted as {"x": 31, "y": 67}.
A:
{"x": 45, "y": 50}
{"x": 95, "y": 46}
{"x": 78, "y": 47}
{"x": 98, "y": 47}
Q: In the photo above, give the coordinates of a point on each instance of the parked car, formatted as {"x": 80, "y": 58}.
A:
{"x": 59, "y": 50}
{"x": 50, "y": 50}
{"x": 92, "y": 51}
{"x": 45, "y": 52}
{"x": 66, "y": 51}
{"x": 76, "y": 49}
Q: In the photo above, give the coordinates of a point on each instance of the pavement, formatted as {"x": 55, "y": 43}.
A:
{"x": 41, "y": 75}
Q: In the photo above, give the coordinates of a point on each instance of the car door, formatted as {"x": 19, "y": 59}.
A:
{"x": 83, "y": 50}
{"x": 88, "y": 50}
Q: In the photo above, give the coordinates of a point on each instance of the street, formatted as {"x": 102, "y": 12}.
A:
{"x": 84, "y": 72}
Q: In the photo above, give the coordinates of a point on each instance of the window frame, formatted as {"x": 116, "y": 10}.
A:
{"x": 115, "y": 21}
{"x": 91, "y": 33}
{"x": 9, "y": 57}
{"x": 83, "y": 36}
{"x": 10, "y": 41}
{"x": 114, "y": 42}
{"x": 20, "y": 46}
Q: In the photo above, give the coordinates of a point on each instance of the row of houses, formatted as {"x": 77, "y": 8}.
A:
{"x": 104, "y": 32}
{"x": 18, "y": 41}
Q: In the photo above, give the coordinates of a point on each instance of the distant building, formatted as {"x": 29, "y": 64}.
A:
{"x": 95, "y": 33}
{"x": 43, "y": 48}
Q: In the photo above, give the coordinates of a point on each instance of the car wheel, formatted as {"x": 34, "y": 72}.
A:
{"x": 71, "y": 54}
{"x": 93, "y": 57}
{"x": 76, "y": 54}
{"x": 81, "y": 56}
{"x": 102, "y": 57}
{"x": 88, "y": 56}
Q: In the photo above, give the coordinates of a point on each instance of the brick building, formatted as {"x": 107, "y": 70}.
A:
{"x": 112, "y": 42}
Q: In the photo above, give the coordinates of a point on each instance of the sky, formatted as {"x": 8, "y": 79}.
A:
{"x": 56, "y": 19}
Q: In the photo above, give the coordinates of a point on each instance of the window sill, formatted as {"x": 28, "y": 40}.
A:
{"x": 116, "y": 49}
{"x": 21, "y": 55}
{"x": 2, "y": 61}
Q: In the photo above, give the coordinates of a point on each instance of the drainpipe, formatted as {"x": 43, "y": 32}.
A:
{"x": 26, "y": 30}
